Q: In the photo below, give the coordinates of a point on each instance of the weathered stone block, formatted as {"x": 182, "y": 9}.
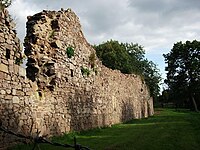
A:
{"x": 2, "y": 34}
{"x": 2, "y": 39}
{"x": 3, "y": 68}
{"x": 15, "y": 100}
{"x": 22, "y": 71}
{"x": 2, "y": 75}
{"x": 13, "y": 91}
{"x": 4, "y": 61}
{"x": 8, "y": 78}
{"x": 11, "y": 69}
{"x": 16, "y": 69}
{"x": 8, "y": 91}
{"x": 23, "y": 116}
{"x": 3, "y": 92}
{"x": 8, "y": 97}
{"x": 10, "y": 62}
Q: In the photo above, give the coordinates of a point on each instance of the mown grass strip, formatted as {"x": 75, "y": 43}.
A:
{"x": 166, "y": 130}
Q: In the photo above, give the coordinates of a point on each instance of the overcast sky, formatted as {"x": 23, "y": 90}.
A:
{"x": 154, "y": 24}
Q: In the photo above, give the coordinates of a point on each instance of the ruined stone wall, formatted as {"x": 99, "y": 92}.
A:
{"x": 64, "y": 87}
{"x": 16, "y": 91}
{"x": 86, "y": 93}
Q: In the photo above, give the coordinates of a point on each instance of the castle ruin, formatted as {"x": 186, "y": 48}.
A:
{"x": 64, "y": 87}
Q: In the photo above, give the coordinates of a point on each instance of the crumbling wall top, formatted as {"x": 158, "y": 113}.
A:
{"x": 56, "y": 48}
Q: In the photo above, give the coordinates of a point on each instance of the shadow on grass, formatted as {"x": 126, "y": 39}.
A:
{"x": 162, "y": 116}
{"x": 167, "y": 130}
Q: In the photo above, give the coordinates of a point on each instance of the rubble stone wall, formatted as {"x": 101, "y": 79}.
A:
{"x": 64, "y": 87}
{"x": 17, "y": 93}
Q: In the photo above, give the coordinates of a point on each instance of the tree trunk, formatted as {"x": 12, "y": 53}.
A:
{"x": 194, "y": 103}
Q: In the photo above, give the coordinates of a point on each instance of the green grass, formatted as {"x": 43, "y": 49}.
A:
{"x": 166, "y": 130}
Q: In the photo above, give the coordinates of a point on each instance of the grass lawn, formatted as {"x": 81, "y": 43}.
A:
{"x": 166, "y": 130}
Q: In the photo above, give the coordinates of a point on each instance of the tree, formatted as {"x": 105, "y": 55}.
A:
{"x": 183, "y": 72}
{"x": 164, "y": 97}
{"x": 129, "y": 58}
{"x": 136, "y": 53}
{"x": 114, "y": 55}
{"x": 152, "y": 77}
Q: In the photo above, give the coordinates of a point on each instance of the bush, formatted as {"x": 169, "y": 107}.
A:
{"x": 18, "y": 61}
{"x": 51, "y": 35}
{"x": 92, "y": 59}
{"x": 85, "y": 71}
{"x": 70, "y": 52}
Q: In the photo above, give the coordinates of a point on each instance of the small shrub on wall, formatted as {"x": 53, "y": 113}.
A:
{"x": 85, "y": 71}
{"x": 52, "y": 33}
{"x": 18, "y": 61}
{"x": 92, "y": 59}
{"x": 70, "y": 52}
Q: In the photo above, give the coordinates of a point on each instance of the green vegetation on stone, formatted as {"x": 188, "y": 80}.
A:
{"x": 52, "y": 33}
{"x": 18, "y": 61}
{"x": 92, "y": 59}
{"x": 85, "y": 71}
{"x": 70, "y": 52}
{"x": 167, "y": 130}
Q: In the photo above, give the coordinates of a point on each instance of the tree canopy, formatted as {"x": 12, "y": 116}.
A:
{"x": 129, "y": 58}
{"x": 183, "y": 73}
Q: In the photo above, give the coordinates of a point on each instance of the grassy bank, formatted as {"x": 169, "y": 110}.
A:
{"x": 166, "y": 130}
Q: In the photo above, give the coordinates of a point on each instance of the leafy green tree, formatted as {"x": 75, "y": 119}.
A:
{"x": 136, "y": 53}
{"x": 152, "y": 77}
{"x": 183, "y": 72}
{"x": 114, "y": 55}
{"x": 130, "y": 58}
{"x": 164, "y": 97}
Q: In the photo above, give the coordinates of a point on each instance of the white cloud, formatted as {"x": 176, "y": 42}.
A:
{"x": 19, "y": 10}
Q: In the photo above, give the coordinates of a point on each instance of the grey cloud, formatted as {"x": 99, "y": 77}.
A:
{"x": 164, "y": 6}
{"x": 167, "y": 19}
{"x": 148, "y": 5}
{"x": 163, "y": 12}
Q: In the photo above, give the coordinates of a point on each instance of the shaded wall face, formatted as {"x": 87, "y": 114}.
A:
{"x": 64, "y": 87}
{"x": 17, "y": 93}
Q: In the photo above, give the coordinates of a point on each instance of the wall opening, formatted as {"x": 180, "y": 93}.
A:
{"x": 54, "y": 45}
{"x": 40, "y": 93}
{"x": 7, "y": 53}
{"x": 31, "y": 72}
{"x": 72, "y": 73}
{"x": 54, "y": 24}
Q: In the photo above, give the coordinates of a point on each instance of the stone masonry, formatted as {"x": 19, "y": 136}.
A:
{"x": 16, "y": 91}
{"x": 64, "y": 87}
